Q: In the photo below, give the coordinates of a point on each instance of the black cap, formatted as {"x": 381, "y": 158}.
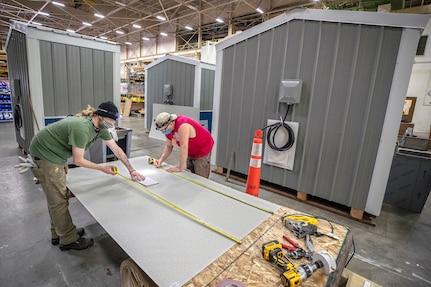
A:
{"x": 107, "y": 109}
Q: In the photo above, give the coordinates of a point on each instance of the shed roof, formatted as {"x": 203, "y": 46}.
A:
{"x": 180, "y": 59}
{"x": 413, "y": 21}
{"x": 64, "y": 37}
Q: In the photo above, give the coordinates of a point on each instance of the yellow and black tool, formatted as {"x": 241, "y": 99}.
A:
{"x": 177, "y": 208}
{"x": 303, "y": 218}
{"x": 292, "y": 274}
{"x": 271, "y": 251}
{"x": 152, "y": 161}
{"x": 302, "y": 226}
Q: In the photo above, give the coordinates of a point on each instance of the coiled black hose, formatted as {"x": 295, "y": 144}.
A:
{"x": 272, "y": 131}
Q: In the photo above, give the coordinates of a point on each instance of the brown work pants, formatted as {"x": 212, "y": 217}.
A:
{"x": 200, "y": 166}
{"x": 52, "y": 178}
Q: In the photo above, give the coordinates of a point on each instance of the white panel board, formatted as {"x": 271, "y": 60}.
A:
{"x": 167, "y": 245}
{"x": 173, "y": 109}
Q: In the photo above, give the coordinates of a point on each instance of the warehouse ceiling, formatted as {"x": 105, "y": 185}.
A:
{"x": 138, "y": 19}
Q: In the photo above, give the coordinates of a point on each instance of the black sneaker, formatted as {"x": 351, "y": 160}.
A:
{"x": 56, "y": 241}
{"x": 80, "y": 244}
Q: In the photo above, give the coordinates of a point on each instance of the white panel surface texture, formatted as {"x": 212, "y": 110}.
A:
{"x": 283, "y": 159}
{"x": 167, "y": 245}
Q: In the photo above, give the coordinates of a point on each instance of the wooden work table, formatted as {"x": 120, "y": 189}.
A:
{"x": 244, "y": 262}
{"x": 155, "y": 235}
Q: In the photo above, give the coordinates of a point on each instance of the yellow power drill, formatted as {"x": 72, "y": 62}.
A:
{"x": 299, "y": 274}
{"x": 293, "y": 275}
{"x": 272, "y": 252}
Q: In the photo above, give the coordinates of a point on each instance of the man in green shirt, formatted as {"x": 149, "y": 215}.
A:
{"x": 53, "y": 145}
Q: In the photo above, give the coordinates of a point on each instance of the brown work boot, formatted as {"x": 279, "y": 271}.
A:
{"x": 80, "y": 244}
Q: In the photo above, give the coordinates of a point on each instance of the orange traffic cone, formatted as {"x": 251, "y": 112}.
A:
{"x": 253, "y": 178}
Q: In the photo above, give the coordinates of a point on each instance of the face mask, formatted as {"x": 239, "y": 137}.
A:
{"x": 166, "y": 132}
{"x": 105, "y": 125}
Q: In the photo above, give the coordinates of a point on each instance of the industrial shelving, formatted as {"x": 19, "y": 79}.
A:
{"x": 6, "y": 113}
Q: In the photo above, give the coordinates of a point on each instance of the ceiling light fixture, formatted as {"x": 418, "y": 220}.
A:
{"x": 119, "y": 32}
{"x": 163, "y": 34}
{"x": 103, "y": 37}
{"x": 57, "y": 3}
{"x": 259, "y": 10}
{"x": 98, "y": 15}
{"x": 189, "y": 28}
{"x": 161, "y": 18}
{"x": 36, "y": 23}
{"x": 43, "y": 13}
{"x": 145, "y": 38}
{"x": 128, "y": 43}
{"x": 120, "y": 3}
{"x": 219, "y": 20}
{"x": 70, "y": 31}
{"x": 86, "y": 24}
{"x": 137, "y": 26}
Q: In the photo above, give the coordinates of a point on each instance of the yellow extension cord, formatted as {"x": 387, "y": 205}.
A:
{"x": 177, "y": 208}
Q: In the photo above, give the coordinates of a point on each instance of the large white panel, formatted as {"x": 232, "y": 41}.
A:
{"x": 167, "y": 245}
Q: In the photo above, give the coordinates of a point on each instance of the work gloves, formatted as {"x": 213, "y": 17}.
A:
{"x": 26, "y": 164}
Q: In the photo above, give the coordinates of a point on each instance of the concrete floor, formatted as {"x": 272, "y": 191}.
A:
{"x": 395, "y": 252}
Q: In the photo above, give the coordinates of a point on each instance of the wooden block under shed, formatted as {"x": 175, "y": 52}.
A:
{"x": 356, "y": 213}
{"x": 302, "y": 195}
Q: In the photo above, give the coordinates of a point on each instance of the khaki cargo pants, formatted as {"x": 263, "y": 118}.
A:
{"x": 52, "y": 178}
{"x": 200, "y": 166}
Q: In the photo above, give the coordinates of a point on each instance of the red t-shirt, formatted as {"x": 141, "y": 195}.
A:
{"x": 201, "y": 144}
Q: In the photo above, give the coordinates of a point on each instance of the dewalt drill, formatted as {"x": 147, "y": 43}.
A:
{"x": 298, "y": 274}
{"x": 293, "y": 275}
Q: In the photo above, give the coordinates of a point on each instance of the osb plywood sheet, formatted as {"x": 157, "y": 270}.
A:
{"x": 245, "y": 263}
{"x": 167, "y": 245}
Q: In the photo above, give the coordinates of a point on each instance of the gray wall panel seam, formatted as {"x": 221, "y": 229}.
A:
{"x": 313, "y": 84}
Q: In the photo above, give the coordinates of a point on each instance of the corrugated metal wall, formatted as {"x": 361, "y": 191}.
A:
{"x": 347, "y": 72}
{"x": 20, "y": 88}
{"x": 207, "y": 89}
{"x": 74, "y": 77}
{"x": 178, "y": 74}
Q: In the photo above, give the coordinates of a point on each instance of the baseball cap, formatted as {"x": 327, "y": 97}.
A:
{"x": 163, "y": 119}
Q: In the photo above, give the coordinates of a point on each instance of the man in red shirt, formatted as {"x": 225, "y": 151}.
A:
{"x": 195, "y": 143}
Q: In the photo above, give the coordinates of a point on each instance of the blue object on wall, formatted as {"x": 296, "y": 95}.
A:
{"x": 206, "y": 117}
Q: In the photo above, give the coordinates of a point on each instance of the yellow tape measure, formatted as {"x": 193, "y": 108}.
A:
{"x": 151, "y": 161}
{"x": 177, "y": 208}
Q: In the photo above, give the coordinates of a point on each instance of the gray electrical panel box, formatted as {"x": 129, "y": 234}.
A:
{"x": 290, "y": 91}
{"x": 167, "y": 90}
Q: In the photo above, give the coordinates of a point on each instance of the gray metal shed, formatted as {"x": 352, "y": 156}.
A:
{"x": 190, "y": 83}
{"x": 354, "y": 68}
{"x": 54, "y": 74}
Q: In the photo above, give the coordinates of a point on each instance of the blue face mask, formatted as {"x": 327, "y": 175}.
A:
{"x": 167, "y": 131}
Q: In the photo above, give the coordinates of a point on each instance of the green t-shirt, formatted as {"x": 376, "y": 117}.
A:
{"x": 54, "y": 142}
